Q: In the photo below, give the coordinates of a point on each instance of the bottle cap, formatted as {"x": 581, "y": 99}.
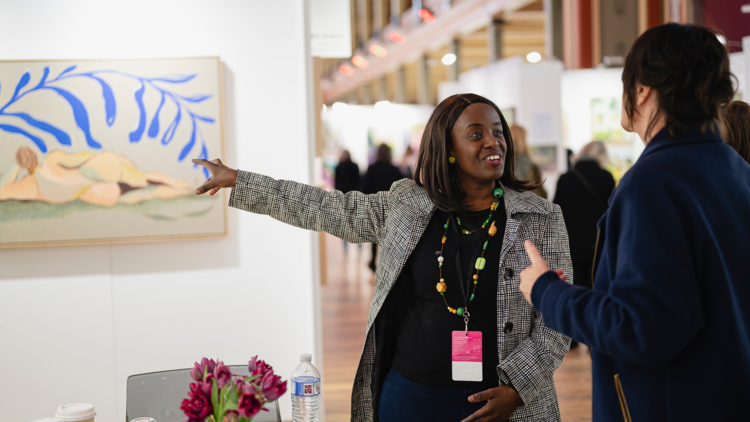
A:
{"x": 305, "y": 357}
{"x": 75, "y": 412}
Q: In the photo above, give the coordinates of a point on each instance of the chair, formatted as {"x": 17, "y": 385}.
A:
{"x": 159, "y": 394}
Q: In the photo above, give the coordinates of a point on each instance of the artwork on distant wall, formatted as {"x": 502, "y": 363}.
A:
{"x": 99, "y": 151}
{"x": 545, "y": 157}
{"x": 606, "y": 116}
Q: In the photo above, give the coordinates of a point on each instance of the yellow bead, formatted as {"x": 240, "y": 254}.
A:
{"x": 492, "y": 207}
{"x": 476, "y": 276}
{"x": 444, "y": 239}
{"x": 493, "y": 229}
{"x": 454, "y": 311}
{"x": 442, "y": 287}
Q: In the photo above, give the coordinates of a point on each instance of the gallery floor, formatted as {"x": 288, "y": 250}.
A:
{"x": 346, "y": 300}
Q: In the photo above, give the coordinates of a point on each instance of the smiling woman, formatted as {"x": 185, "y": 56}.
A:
{"x": 455, "y": 340}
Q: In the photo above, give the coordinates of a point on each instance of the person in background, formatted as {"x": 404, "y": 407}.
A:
{"x": 347, "y": 173}
{"x": 379, "y": 177}
{"x": 408, "y": 162}
{"x": 668, "y": 319}
{"x": 346, "y": 178}
{"x": 736, "y": 128}
{"x": 582, "y": 193}
{"x": 525, "y": 168}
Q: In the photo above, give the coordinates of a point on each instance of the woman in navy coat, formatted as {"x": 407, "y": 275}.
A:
{"x": 670, "y": 310}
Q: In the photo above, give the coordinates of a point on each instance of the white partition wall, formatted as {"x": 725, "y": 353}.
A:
{"x": 532, "y": 91}
{"x": 75, "y": 322}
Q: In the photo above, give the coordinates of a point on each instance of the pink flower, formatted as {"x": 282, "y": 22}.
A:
{"x": 222, "y": 374}
{"x": 198, "y": 406}
{"x": 258, "y": 367}
{"x": 232, "y": 415}
{"x": 249, "y": 405}
{"x": 272, "y": 386}
{"x": 206, "y": 366}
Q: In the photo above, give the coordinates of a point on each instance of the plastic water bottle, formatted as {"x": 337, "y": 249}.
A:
{"x": 305, "y": 386}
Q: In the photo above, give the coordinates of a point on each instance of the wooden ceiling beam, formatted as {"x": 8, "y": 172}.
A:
{"x": 469, "y": 13}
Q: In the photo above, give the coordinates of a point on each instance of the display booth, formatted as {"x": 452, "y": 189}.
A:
{"x": 76, "y": 321}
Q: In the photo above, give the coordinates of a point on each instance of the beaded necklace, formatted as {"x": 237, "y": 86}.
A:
{"x": 442, "y": 287}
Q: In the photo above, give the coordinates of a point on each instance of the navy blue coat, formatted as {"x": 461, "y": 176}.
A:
{"x": 670, "y": 308}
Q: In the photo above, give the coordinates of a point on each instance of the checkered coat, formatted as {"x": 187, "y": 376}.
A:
{"x": 396, "y": 219}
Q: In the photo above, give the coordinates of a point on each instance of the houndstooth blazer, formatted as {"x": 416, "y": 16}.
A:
{"x": 396, "y": 219}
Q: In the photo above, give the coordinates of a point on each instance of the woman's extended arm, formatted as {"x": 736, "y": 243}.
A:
{"x": 354, "y": 217}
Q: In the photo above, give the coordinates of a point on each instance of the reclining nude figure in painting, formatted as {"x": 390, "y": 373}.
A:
{"x": 102, "y": 178}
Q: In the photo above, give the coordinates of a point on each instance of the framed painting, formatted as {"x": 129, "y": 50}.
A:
{"x": 99, "y": 151}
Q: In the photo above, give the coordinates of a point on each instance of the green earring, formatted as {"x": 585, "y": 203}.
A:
{"x": 452, "y": 160}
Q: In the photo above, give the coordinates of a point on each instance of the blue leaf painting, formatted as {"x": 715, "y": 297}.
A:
{"x": 22, "y": 83}
{"x": 189, "y": 146}
{"x": 137, "y": 134}
{"x": 175, "y": 79}
{"x": 196, "y": 98}
{"x": 61, "y": 136}
{"x": 68, "y": 70}
{"x": 169, "y": 133}
{"x": 80, "y": 115}
{"x": 35, "y": 139}
{"x": 110, "y": 106}
{"x": 44, "y": 77}
{"x": 153, "y": 128}
{"x": 204, "y": 118}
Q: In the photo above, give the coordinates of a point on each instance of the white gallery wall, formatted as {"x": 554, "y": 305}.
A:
{"x": 76, "y": 321}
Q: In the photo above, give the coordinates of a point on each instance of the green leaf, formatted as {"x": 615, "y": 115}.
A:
{"x": 215, "y": 399}
{"x": 253, "y": 378}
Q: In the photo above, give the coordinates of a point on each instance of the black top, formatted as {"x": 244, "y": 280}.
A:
{"x": 583, "y": 206}
{"x": 380, "y": 176}
{"x": 347, "y": 176}
{"x": 423, "y": 349}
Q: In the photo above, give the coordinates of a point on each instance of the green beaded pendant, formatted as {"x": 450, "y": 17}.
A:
{"x": 498, "y": 193}
{"x": 460, "y": 311}
{"x": 471, "y": 299}
{"x": 480, "y": 263}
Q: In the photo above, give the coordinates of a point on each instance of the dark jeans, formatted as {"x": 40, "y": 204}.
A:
{"x": 404, "y": 400}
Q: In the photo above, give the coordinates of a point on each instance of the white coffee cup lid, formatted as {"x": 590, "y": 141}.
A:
{"x": 75, "y": 412}
{"x": 47, "y": 420}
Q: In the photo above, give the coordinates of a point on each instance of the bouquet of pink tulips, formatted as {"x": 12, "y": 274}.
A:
{"x": 217, "y": 395}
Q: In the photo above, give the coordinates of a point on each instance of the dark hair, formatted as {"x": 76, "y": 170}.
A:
{"x": 688, "y": 68}
{"x": 383, "y": 153}
{"x": 435, "y": 174}
{"x": 736, "y": 128}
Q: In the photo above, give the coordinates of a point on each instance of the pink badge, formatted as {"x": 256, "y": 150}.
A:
{"x": 467, "y": 356}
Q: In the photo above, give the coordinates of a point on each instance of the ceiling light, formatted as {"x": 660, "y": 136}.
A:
{"x": 360, "y": 62}
{"x": 449, "y": 59}
{"x": 339, "y": 106}
{"x": 378, "y": 50}
{"x": 346, "y": 70}
{"x": 427, "y": 16}
{"x": 533, "y": 57}
{"x": 745, "y": 8}
{"x": 396, "y": 37}
{"x": 382, "y": 105}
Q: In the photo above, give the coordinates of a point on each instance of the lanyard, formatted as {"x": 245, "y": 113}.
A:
{"x": 459, "y": 271}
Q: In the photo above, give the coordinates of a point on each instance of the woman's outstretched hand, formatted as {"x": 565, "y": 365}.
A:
{"x": 501, "y": 403}
{"x": 221, "y": 176}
